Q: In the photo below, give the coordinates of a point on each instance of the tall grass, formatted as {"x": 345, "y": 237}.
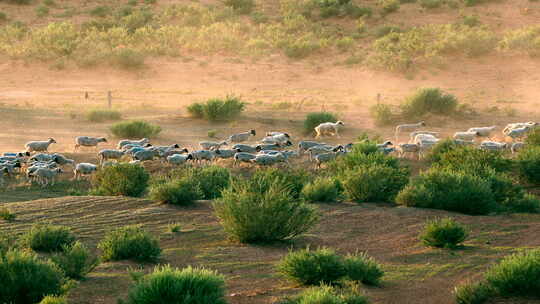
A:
{"x": 130, "y": 243}
{"x": 135, "y": 129}
{"x": 218, "y": 109}
{"x": 103, "y": 115}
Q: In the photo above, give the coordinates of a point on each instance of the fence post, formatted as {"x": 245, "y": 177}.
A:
{"x": 109, "y": 99}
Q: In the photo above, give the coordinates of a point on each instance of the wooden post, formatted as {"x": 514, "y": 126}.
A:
{"x": 86, "y": 95}
{"x": 109, "y": 99}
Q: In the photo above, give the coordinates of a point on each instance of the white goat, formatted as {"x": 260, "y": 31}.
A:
{"x": 39, "y": 146}
{"x": 331, "y": 128}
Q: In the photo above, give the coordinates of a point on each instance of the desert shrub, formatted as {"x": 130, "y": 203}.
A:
{"x": 48, "y": 238}
{"x": 42, "y": 11}
{"x": 364, "y": 154}
{"x": 383, "y": 30}
{"x": 316, "y": 118}
{"x": 516, "y": 275}
{"x": 431, "y": 3}
{"x": 211, "y": 180}
{"x": 441, "y": 148}
{"x": 313, "y": 267}
{"x": 471, "y": 20}
{"x": 533, "y": 138}
{"x": 375, "y": 183}
{"x": 7, "y": 215}
{"x": 135, "y": 129}
{"x": 241, "y": 6}
{"x": 54, "y": 300}
{"x": 528, "y": 161}
{"x": 429, "y": 100}
{"x": 27, "y": 279}
{"x": 3, "y": 16}
{"x": 103, "y": 115}
{"x": 322, "y": 189}
{"x": 294, "y": 179}
{"x": 182, "y": 192}
{"x": 127, "y": 58}
{"x": 19, "y": 1}
{"x": 327, "y": 295}
{"x": 100, "y": 11}
{"x": 129, "y": 243}
{"x": 382, "y": 113}
{"x": 250, "y": 212}
{"x": 510, "y": 196}
{"x": 218, "y": 109}
{"x": 75, "y": 260}
{"x": 522, "y": 40}
{"x": 443, "y": 233}
{"x": 363, "y": 268}
{"x": 472, "y": 293}
{"x": 179, "y": 286}
{"x": 474, "y": 160}
{"x": 174, "y": 227}
{"x": 441, "y": 188}
{"x": 389, "y": 6}
{"x": 121, "y": 179}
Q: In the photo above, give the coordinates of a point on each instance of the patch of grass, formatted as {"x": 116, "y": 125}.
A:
{"x": 529, "y": 163}
{"x": 49, "y": 2}
{"x": 54, "y": 300}
{"x": 75, "y": 260}
{"x": 218, "y": 109}
{"x": 42, "y": 11}
{"x": 48, "y": 238}
{"x": 7, "y": 215}
{"x": 211, "y": 180}
{"x": 243, "y": 7}
{"x": 323, "y": 190}
{"x": 533, "y": 138}
{"x": 121, "y": 179}
{"x": 313, "y": 267}
{"x": 3, "y": 16}
{"x": 316, "y": 118}
{"x": 327, "y": 295}
{"x": 181, "y": 192}
{"x": 388, "y": 6}
{"x": 97, "y": 115}
{"x": 429, "y": 4}
{"x": 135, "y": 129}
{"x": 128, "y": 59}
{"x": 174, "y": 227}
{"x": 100, "y": 11}
{"x": 472, "y": 293}
{"x": 130, "y": 243}
{"x": 443, "y": 233}
{"x": 363, "y": 268}
{"x": 212, "y": 133}
{"x": 382, "y": 113}
{"x": 429, "y": 100}
{"x": 294, "y": 180}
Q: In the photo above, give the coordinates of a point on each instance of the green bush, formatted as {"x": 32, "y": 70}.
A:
{"x": 135, "y": 129}
{"x": 241, "y": 6}
{"x": 121, "y": 179}
{"x": 127, "y": 58}
{"x": 48, "y": 238}
{"x": 103, "y": 115}
{"x": 471, "y": 159}
{"x": 443, "y": 233}
{"x": 382, "y": 113}
{"x": 375, "y": 183}
{"x": 27, "y": 279}
{"x": 429, "y": 100}
{"x": 316, "y": 118}
{"x": 19, "y": 1}
{"x": 327, "y": 295}
{"x": 449, "y": 190}
{"x": 472, "y": 293}
{"x": 42, "y": 11}
{"x": 528, "y": 161}
{"x": 389, "y": 6}
{"x": 363, "y": 268}
{"x": 323, "y": 190}
{"x": 431, "y": 3}
{"x": 471, "y": 20}
{"x": 182, "y": 192}
{"x": 218, "y": 109}
{"x": 313, "y": 267}
{"x": 294, "y": 179}
{"x": 363, "y": 155}
{"x": 211, "y": 180}
{"x": 54, "y": 300}
{"x": 75, "y": 260}
{"x": 250, "y": 212}
{"x": 130, "y": 242}
{"x": 7, "y": 215}
{"x": 179, "y": 286}
{"x": 441, "y": 148}
{"x": 3, "y": 16}
{"x": 100, "y": 11}
{"x": 517, "y": 275}
{"x": 533, "y": 138}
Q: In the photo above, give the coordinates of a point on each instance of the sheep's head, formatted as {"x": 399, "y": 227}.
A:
{"x": 288, "y": 143}
{"x": 339, "y": 122}
{"x": 423, "y": 123}
{"x": 189, "y": 156}
{"x": 238, "y": 150}
{"x": 253, "y": 132}
{"x": 258, "y": 148}
{"x": 388, "y": 143}
{"x": 147, "y": 145}
{"x": 287, "y": 135}
{"x": 185, "y": 150}
{"x": 175, "y": 146}
{"x": 102, "y": 139}
{"x": 51, "y": 140}
{"x": 223, "y": 143}
{"x": 217, "y": 152}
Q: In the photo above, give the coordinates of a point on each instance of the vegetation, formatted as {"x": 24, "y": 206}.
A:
{"x": 529, "y": 164}
{"x": 75, "y": 261}
{"x": 48, "y": 238}
{"x": 135, "y": 129}
{"x": 217, "y": 109}
{"x": 316, "y": 118}
{"x": 429, "y": 100}
{"x": 130, "y": 242}
{"x": 472, "y": 293}
{"x": 211, "y": 180}
{"x": 294, "y": 180}
{"x": 443, "y": 233}
{"x": 363, "y": 268}
{"x": 533, "y": 138}
{"x": 121, "y": 179}
{"x": 179, "y": 286}
{"x": 182, "y": 191}
{"x": 313, "y": 267}
{"x": 382, "y": 113}
{"x": 54, "y": 300}
{"x": 103, "y": 115}
{"x": 323, "y": 190}
{"x": 241, "y": 6}
{"x": 327, "y": 295}
{"x": 374, "y": 183}
{"x": 7, "y": 215}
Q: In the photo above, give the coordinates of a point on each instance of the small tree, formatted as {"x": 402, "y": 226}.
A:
{"x": 121, "y": 179}
{"x": 130, "y": 242}
{"x": 443, "y": 233}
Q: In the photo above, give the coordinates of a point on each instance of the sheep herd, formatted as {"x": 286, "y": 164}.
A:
{"x": 275, "y": 147}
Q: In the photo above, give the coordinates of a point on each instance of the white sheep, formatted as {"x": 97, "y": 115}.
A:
{"x": 517, "y": 146}
{"x": 45, "y": 176}
{"x": 245, "y": 148}
{"x": 408, "y": 148}
{"x": 201, "y": 155}
{"x": 331, "y": 128}
{"x": 243, "y": 157}
{"x": 304, "y": 145}
{"x": 408, "y": 128}
{"x": 140, "y": 142}
{"x": 282, "y": 139}
{"x": 466, "y": 135}
{"x": 493, "y": 146}
{"x": 179, "y": 159}
{"x": 145, "y": 155}
{"x": 39, "y": 146}
{"x": 509, "y": 127}
{"x": 41, "y": 157}
{"x": 325, "y": 157}
{"x": 87, "y": 141}
{"x": 483, "y": 131}
{"x": 241, "y": 137}
{"x": 107, "y": 154}
{"x": 269, "y": 159}
{"x": 84, "y": 169}
{"x": 211, "y": 145}
{"x": 225, "y": 153}
{"x": 412, "y": 135}
{"x": 424, "y": 137}
{"x": 62, "y": 160}
{"x": 518, "y": 132}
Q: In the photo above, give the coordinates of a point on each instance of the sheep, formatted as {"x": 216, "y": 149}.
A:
{"x": 173, "y": 152}
{"x": 243, "y": 157}
{"x": 518, "y": 132}
{"x": 87, "y": 141}
{"x": 241, "y": 137}
{"x": 483, "y": 131}
{"x": 107, "y": 164}
{"x": 140, "y": 142}
{"x": 268, "y": 147}
{"x": 408, "y": 148}
{"x": 39, "y": 146}
{"x": 201, "y": 155}
{"x": 493, "y": 146}
{"x": 62, "y": 160}
{"x": 424, "y": 137}
{"x": 305, "y": 145}
{"x": 209, "y": 145}
{"x": 131, "y": 146}
{"x": 41, "y": 157}
{"x": 387, "y": 150}
{"x": 517, "y": 146}
{"x": 45, "y": 176}
{"x": 277, "y": 133}
{"x": 16, "y": 154}
{"x": 84, "y": 169}
{"x": 37, "y": 165}
{"x": 145, "y": 155}
{"x": 178, "y": 159}
{"x": 466, "y": 135}
{"x": 10, "y": 167}
{"x": 2, "y": 172}
{"x": 313, "y": 151}
{"x": 245, "y": 148}
{"x": 413, "y": 134}
{"x": 328, "y": 128}
{"x": 107, "y": 154}
{"x": 518, "y": 125}
{"x": 164, "y": 149}
{"x": 408, "y": 128}
{"x": 324, "y": 157}
{"x": 282, "y": 139}
{"x": 268, "y": 159}
{"x": 228, "y": 153}
{"x": 384, "y": 145}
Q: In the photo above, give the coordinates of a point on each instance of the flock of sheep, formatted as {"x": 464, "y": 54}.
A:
{"x": 43, "y": 167}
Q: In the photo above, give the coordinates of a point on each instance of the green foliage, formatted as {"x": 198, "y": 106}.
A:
{"x": 182, "y": 192}
{"x": 364, "y": 154}
{"x": 431, "y": 3}
{"x": 382, "y": 113}
{"x": 363, "y": 268}
{"x": 471, "y": 20}
{"x": 174, "y": 227}
{"x": 316, "y": 118}
{"x": 75, "y": 261}
{"x": 128, "y": 58}
{"x": 54, "y": 300}
{"x": 42, "y": 11}
{"x": 313, "y": 267}
{"x": 49, "y": 2}
{"x": 3, "y": 16}
{"x": 244, "y": 7}
{"x": 48, "y": 238}
{"x": 130, "y": 242}
{"x": 383, "y": 30}
{"x": 217, "y": 109}
{"x": 103, "y": 115}
{"x": 472, "y": 293}
{"x": 100, "y": 11}
{"x": 135, "y": 129}
{"x": 257, "y": 211}
{"x": 179, "y": 286}
{"x": 322, "y": 189}
{"x": 293, "y": 179}
{"x": 327, "y": 295}
{"x": 429, "y": 100}
{"x": 27, "y": 279}
{"x": 529, "y": 164}
{"x": 19, "y": 1}
{"x": 389, "y": 6}
{"x": 374, "y": 183}
{"x": 7, "y": 215}
{"x": 474, "y": 160}
{"x": 522, "y": 40}
{"x": 121, "y": 179}
{"x": 441, "y": 148}
{"x": 533, "y": 138}
{"x": 211, "y": 180}
{"x": 443, "y": 233}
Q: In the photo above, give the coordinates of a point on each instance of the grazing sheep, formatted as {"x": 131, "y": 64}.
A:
{"x": 37, "y": 165}
{"x": 44, "y": 176}
{"x": 483, "y": 131}
{"x": 243, "y": 157}
{"x": 408, "y": 128}
{"x": 313, "y": 151}
{"x": 140, "y": 142}
{"x": 84, "y": 169}
{"x": 282, "y": 139}
{"x": 2, "y": 172}
{"x": 331, "y": 128}
{"x": 41, "y": 157}
{"x": 87, "y": 141}
{"x": 462, "y": 142}
{"x": 225, "y": 153}
{"x": 304, "y": 145}
{"x": 517, "y": 146}
{"x": 466, "y": 135}
{"x": 62, "y": 160}
{"x": 145, "y": 155}
{"x": 518, "y": 132}
{"x": 201, "y": 155}
{"x": 10, "y": 167}
{"x": 269, "y": 159}
{"x": 387, "y": 150}
{"x": 245, "y": 148}
{"x": 273, "y": 146}
{"x": 408, "y": 148}
{"x": 518, "y": 125}
{"x": 277, "y": 133}
{"x": 39, "y": 146}
{"x": 211, "y": 145}
{"x": 241, "y": 137}
{"x": 107, "y": 154}
{"x": 131, "y": 146}
{"x": 16, "y": 154}
{"x": 493, "y": 146}
{"x": 385, "y": 144}
{"x": 412, "y": 135}
{"x": 178, "y": 159}
{"x": 173, "y": 152}
{"x": 424, "y": 137}
{"x": 325, "y": 157}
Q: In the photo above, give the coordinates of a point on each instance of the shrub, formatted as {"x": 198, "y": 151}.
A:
{"x": 472, "y": 159}
{"x": 3, "y": 16}
{"x": 431, "y": 3}
{"x": 20, "y": 1}
{"x": 241, "y": 6}
{"x": 27, "y": 279}
{"x": 448, "y": 190}
{"x": 516, "y": 275}
{"x": 442, "y": 147}
{"x": 135, "y": 129}
{"x": 75, "y": 260}
{"x": 42, "y": 11}
{"x": 54, "y": 300}
{"x": 327, "y": 295}
{"x": 533, "y": 138}
{"x": 375, "y": 183}
{"x": 211, "y": 180}
{"x": 472, "y": 293}
{"x": 389, "y": 6}
{"x": 429, "y": 100}
{"x": 294, "y": 179}
{"x": 48, "y": 238}
{"x": 364, "y": 154}
{"x": 128, "y": 58}
{"x": 7, "y": 215}
{"x": 121, "y": 179}
{"x": 443, "y": 233}
{"x": 182, "y": 192}
{"x": 313, "y": 267}
{"x": 382, "y": 113}
{"x": 174, "y": 227}
{"x": 103, "y": 115}
{"x": 130, "y": 242}
{"x": 100, "y": 11}
{"x": 218, "y": 109}
{"x": 529, "y": 164}
{"x": 175, "y": 286}
{"x": 316, "y": 118}
{"x": 259, "y": 213}
{"x": 471, "y": 20}
{"x": 322, "y": 189}
{"x": 363, "y": 268}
